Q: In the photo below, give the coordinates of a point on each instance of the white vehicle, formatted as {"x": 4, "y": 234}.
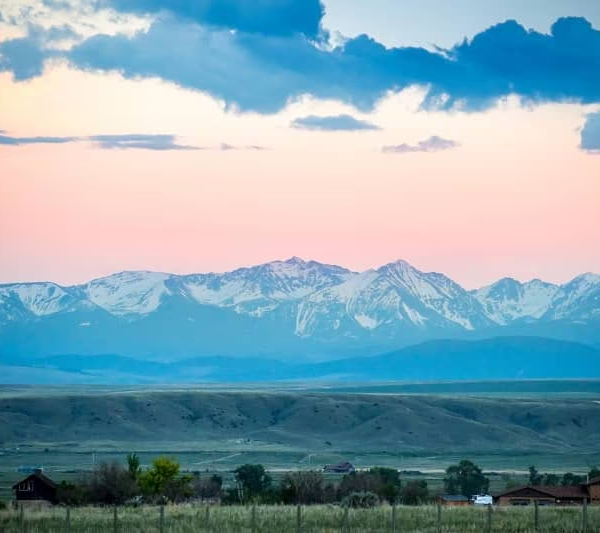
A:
{"x": 482, "y": 499}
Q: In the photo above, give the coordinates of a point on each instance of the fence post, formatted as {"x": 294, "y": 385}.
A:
{"x": 489, "y": 519}
{"x": 253, "y": 519}
{"x": 206, "y": 516}
{"x": 345, "y": 527}
{"x": 584, "y": 517}
{"x": 22, "y": 518}
{"x": 298, "y": 519}
{"x": 536, "y": 515}
{"x": 161, "y": 521}
{"x": 115, "y": 521}
{"x": 394, "y": 517}
{"x": 439, "y": 518}
{"x": 68, "y": 528}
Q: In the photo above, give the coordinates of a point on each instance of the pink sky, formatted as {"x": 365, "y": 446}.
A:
{"x": 517, "y": 198}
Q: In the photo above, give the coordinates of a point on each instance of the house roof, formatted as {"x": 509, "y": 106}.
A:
{"x": 593, "y": 481}
{"x": 38, "y": 475}
{"x": 558, "y": 492}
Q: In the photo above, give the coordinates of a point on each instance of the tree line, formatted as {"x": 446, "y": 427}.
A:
{"x": 566, "y": 480}
{"x": 115, "y": 484}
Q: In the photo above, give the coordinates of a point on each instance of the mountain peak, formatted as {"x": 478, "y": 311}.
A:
{"x": 400, "y": 265}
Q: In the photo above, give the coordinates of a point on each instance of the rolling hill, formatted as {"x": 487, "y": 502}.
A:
{"x": 318, "y": 421}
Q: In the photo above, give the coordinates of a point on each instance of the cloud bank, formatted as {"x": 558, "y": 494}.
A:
{"x": 333, "y": 123}
{"x": 258, "y": 56}
{"x": 433, "y": 144}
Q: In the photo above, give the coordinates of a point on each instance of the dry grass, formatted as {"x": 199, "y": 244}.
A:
{"x": 322, "y": 519}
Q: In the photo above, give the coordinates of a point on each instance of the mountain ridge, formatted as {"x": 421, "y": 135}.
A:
{"x": 286, "y": 307}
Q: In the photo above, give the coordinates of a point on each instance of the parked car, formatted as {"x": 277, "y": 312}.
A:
{"x": 482, "y": 499}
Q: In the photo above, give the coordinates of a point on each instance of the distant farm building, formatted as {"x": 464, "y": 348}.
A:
{"x": 341, "y": 468}
{"x": 36, "y": 487}
{"x": 551, "y": 495}
{"x": 453, "y": 500}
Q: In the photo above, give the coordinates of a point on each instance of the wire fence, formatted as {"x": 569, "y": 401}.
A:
{"x": 301, "y": 519}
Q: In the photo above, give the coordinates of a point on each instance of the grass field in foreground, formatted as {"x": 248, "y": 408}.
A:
{"x": 321, "y": 518}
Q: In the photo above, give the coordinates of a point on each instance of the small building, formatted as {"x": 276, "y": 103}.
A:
{"x": 544, "y": 495}
{"x": 343, "y": 467}
{"x": 453, "y": 500}
{"x": 593, "y": 490}
{"x": 35, "y": 487}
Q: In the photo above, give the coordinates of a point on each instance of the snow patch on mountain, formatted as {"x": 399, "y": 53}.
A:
{"x": 128, "y": 292}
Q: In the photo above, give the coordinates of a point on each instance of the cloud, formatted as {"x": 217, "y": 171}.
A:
{"x": 139, "y": 141}
{"x": 333, "y": 123}
{"x": 24, "y": 57}
{"x": 267, "y": 17}
{"x": 590, "y": 134}
{"x": 18, "y": 141}
{"x": 262, "y": 69}
{"x": 433, "y": 144}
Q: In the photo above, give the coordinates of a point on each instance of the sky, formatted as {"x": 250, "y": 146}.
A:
{"x": 202, "y": 136}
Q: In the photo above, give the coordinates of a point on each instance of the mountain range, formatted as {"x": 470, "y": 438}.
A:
{"x": 284, "y": 310}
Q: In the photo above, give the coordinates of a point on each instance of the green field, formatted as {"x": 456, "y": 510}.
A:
{"x": 319, "y": 518}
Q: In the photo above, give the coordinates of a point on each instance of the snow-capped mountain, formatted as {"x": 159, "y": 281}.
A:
{"x": 281, "y": 307}
{"x": 508, "y": 300}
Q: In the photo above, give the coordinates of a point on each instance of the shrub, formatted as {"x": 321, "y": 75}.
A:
{"x": 73, "y": 494}
{"x": 361, "y": 500}
{"x": 207, "y": 487}
{"x": 414, "y": 493}
{"x": 302, "y": 487}
{"x": 111, "y": 484}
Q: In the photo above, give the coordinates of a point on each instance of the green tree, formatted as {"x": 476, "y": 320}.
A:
{"x": 133, "y": 465}
{"x": 570, "y": 479}
{"x": 252, "y": 480}
{"x": 465, "y": 478}
{"x": 155, "y": 480}
{"x": 551, "y": 480}
{"x": 594, "y": 472}
{"x": 389, "y": 479}
{"x": 535, "y": 478}
{"x": 414, "y": 492}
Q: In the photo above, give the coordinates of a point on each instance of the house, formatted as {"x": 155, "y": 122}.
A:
{"x": 545, "y": 495}
{"x": 341, "y": 468}
{"x": 35, "y": 487}
{"x": 453, "y": 500}
{"x": 593, "y": 489}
